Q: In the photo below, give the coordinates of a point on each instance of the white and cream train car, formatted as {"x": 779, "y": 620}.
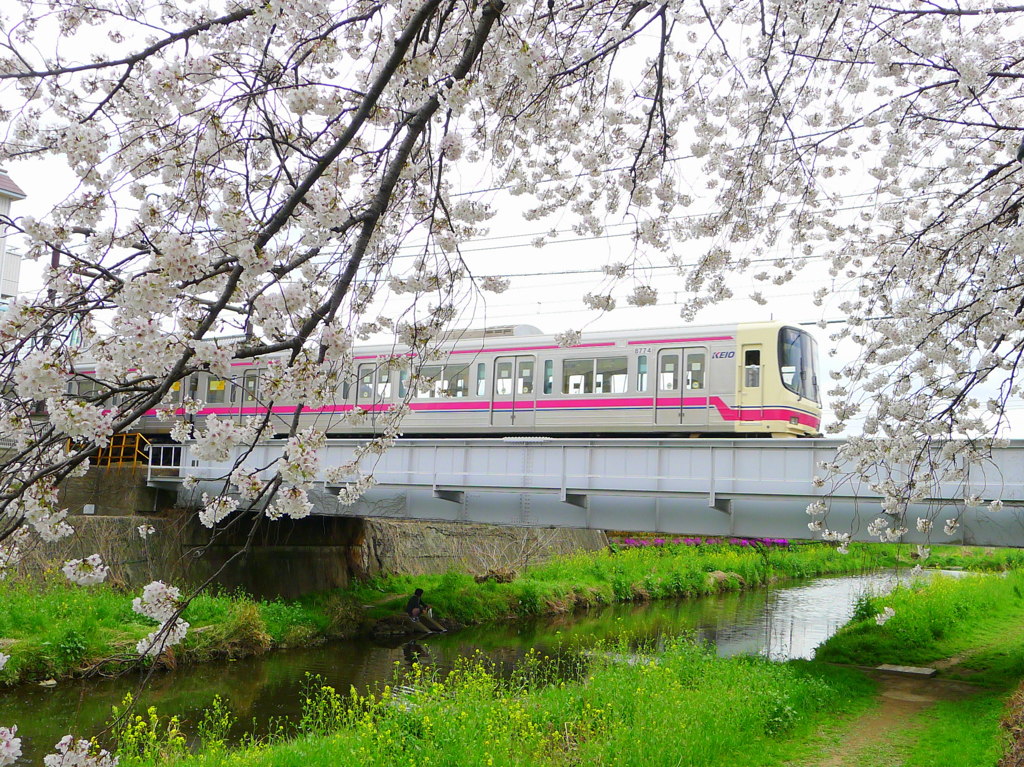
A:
{"x": 748, "y": 379}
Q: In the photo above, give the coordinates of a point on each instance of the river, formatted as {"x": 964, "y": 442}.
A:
{"x": 785, "y": 621}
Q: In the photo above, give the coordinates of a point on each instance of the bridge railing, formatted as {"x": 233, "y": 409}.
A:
{"x": 165, "y": 461}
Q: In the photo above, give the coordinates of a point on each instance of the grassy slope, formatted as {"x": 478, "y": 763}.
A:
{"x": 979, "y": 619}
{"x": 53, "y": 628}
{"x": 57, "y": 628}
{"x": 978, "y": 623}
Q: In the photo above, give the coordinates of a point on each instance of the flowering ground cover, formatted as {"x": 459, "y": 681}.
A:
{"x": 630, "y": 542}
{"x": 681, "y": 706}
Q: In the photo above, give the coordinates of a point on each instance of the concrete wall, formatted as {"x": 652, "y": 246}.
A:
{"x": 285, "y": 558}
{"x": 133, "y": 561}
{"x": 114, "y": 491}
{"x": 289, "y": 558}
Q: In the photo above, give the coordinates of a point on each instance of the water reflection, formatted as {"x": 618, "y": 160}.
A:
{"x": 782, "y": 622}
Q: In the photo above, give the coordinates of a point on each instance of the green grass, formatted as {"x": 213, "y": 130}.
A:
{"x": 683, "y": 706}
{"x": 57, "y": 627}
{"x": 605, "y": 577}
{"x": 964, "y": 733}
{"x": 978, "y": 617}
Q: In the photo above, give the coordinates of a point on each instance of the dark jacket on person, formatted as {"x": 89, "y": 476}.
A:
{"x": 414, "y": 601}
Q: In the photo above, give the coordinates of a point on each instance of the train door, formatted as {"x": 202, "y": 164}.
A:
{"x": 750, "y": 397}
{"x": 513, "y": 392}
{"x": 682, "y": 387}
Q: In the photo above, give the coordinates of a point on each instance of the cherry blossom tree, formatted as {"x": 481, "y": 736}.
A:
{"x": 248, "y": 172}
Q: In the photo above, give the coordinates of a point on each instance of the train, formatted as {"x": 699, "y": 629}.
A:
{"x": 735, "y": 380}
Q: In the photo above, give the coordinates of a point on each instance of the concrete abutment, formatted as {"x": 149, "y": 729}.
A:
{"x": 285, "y": 558}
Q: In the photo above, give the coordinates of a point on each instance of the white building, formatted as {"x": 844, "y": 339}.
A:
{"x": 10, "y": 263}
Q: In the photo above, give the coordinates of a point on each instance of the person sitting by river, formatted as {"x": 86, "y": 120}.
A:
{"x": 420, "y": 612}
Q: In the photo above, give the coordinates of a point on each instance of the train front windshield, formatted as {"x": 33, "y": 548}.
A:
{"x": 798, "y": 361}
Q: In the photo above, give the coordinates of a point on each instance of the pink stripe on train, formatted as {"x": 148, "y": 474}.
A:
{"x": 726, "y": 412}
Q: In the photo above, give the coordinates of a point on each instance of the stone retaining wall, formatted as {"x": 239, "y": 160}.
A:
{"x": 286, "y": 558}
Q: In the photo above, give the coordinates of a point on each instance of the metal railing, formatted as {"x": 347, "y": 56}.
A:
{"x": 165, "y": 461}
{"x": 125, "y": 449}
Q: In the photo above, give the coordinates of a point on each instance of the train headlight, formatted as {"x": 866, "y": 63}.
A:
{"x": 794, "y": 420}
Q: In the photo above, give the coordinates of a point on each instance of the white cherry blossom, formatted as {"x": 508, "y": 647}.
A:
{"x": 10, "y": 746}
{"x": 78, "y": 753}
{"x": 86, "y": 572}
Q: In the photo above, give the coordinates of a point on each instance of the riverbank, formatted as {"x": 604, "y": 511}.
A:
{"x": 683, "y": 705}
{"x": 52, "y": 629}
{"x": 972, "y": 631}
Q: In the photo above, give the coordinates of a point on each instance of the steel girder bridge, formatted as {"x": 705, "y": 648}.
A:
{"x": 713, "y": 487}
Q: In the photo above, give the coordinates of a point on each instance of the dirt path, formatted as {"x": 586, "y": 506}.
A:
{"x": 871, "y": 738}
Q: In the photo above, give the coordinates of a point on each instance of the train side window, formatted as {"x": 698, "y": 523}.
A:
{"x": 403, "y": 383}
{"x": 549, "y": 376}
{"x": 457, "y": 377}
{"x": 430, "y": 381}
{"x": 481, "y": 379}
{"x": 503, "y": 378}
{"x": 215, "y": 390}
{"x": 752, "y": 368}
{"x": 668, "y": 377}
{"x": 578, "y": 376}
{"x": 524, "y": 377}
{"x": 365, "y": 389}
{"x": 695, "y": 371}
{"x": 641, "y": 373}
{"x": 612, "y": 375}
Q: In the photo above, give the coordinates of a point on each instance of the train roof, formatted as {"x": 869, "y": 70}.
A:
{"x": 515, "y": 338}
{"x": 529, "y": 338}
